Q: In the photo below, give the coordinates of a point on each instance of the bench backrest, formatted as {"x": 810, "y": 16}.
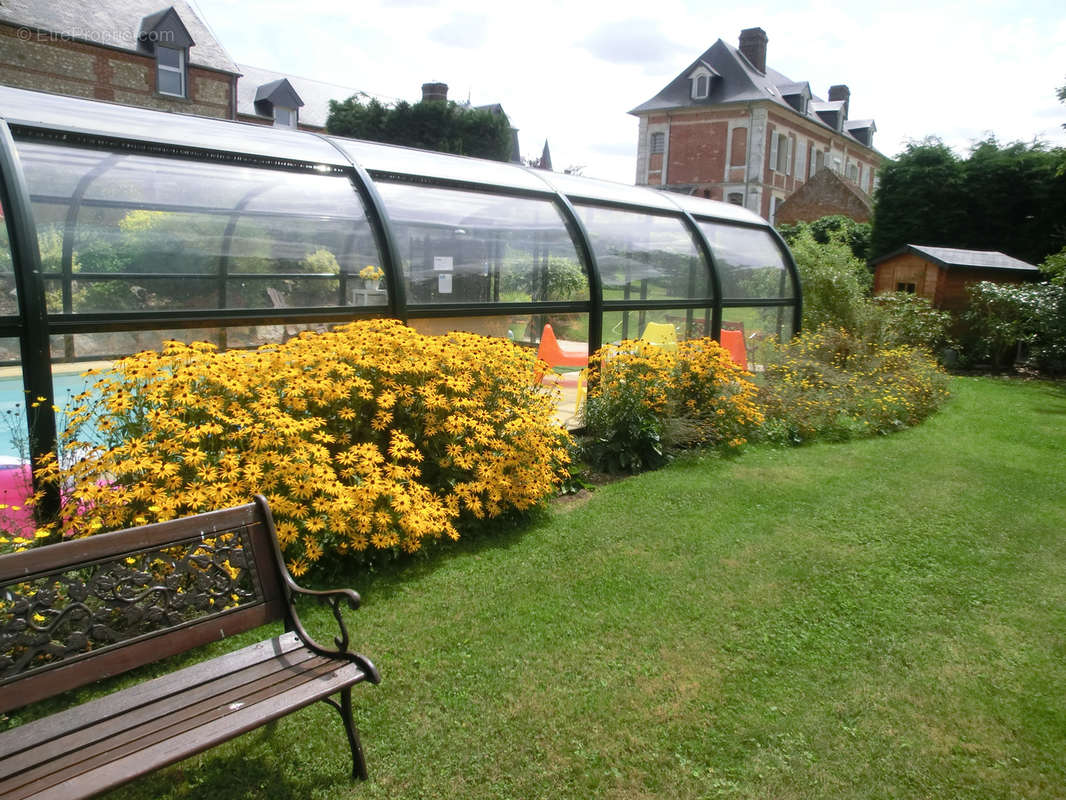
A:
{"x": 74, "y": 612}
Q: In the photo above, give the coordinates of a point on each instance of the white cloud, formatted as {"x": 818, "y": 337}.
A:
{"x": 565, "y": 74}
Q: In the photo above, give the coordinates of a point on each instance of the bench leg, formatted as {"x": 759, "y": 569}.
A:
{"x": 344, "y": 708}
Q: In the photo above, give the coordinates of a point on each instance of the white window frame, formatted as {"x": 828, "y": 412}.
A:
{"x": 179, "y": 70}
{"x": 657, "y": 137}
{"x": 801, "y": 157}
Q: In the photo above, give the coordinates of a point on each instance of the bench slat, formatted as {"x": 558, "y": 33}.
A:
{"x": 175, "y": 695}
{"x": 118, "y": 703}
{"x": 193, "y": 727}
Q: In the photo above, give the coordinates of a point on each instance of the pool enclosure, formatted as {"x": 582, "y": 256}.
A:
{"x": 125, "y": 227}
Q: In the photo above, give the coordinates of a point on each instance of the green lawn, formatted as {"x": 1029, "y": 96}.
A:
{"x": 880, "y": 619}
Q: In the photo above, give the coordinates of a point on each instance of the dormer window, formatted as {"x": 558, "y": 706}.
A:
{"x": 170, "y": 66}
{"x": 279, "y": 101}
{"x": 285, "y": 117}
{"x": 700, "y": 79}
{"x": 165, "y": 36}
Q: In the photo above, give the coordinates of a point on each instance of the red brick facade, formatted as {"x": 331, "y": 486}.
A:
{"x": 61, "y": 65}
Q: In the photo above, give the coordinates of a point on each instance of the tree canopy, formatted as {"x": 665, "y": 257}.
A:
{"x": 1010, "y": 198}
{"x": 440, "y": 125}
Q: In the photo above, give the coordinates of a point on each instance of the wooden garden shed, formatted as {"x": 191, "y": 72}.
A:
{"x": 943, "y": 273}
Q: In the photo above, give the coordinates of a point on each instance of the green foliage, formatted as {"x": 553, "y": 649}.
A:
{"x": 824, "y": 229}
{"x": 901, "y": 318}
{"x": 560, "y": 278}
{"x": 444, "y": 126}
{"x": 833, "y": 385}
{"x": 1054, "y": 267}
{"x": 835, "y": 283}
{"x": 1004, "y": 321}
{"x": 644, "y": 401}
{"x": 1010, "y": 198}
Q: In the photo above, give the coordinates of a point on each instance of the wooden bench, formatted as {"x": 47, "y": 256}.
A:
{"x": 76, "y": 612}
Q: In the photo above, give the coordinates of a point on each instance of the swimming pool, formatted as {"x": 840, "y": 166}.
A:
{"x": 13, "y": 407}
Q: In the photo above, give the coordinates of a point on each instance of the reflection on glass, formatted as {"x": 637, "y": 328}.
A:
{"x": 687, "y": 323}
{"x": 8, "y": 299}
{"x": 757, "y": 326}
{"x": 523, "y": 329}
{"x": 645, "y": 256}
{"x": 475, "y": 247}
{"x": 750, "y": 264}
{"x": 122, "y": 232}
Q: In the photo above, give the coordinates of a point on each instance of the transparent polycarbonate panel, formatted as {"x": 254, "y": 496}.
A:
{"x": 14, "y": 444}
{"x": 126, "y": 232}
{"x": 577, "y": 187}
{"x": 702, "y": 207}
{"x": 478, "y": 247}
{"x": 686, "y": 323}
{"x": 383, "y": 158}
{"x": 758, "y": 326}
{"x": 8, "y": 297}
{"x": 750, "y": 263}
{"x": 645, "y": 256}
{"x": 123, "y": 122}
{"x": 571, "y": 330}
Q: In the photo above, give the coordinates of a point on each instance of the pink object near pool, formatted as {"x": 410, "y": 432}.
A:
{"x": 15, "y": 487}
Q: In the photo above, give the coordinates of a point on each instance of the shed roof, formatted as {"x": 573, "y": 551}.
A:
{"x": 965, "y": 259}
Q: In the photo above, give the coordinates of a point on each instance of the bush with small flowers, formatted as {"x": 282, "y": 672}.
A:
{"x": 368, "y": 438}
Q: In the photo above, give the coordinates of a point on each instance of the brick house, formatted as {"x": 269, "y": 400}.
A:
{"x": 942, "y": 274}
{"x": 730, "y": 128}
{"x": 825, "y": 193}
{"x": 134, "y": 52}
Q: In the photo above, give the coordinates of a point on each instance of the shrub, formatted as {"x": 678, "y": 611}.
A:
{"x": 835, "y": 284}
{"x": 627, "y": 405}
{"x": 830, "y": 384}
{"x": 643, "y": 401}
{"x": 901, "y": 318}
{"x": 368, "y": 438}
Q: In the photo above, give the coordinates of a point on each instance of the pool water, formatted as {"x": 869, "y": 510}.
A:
{"x": 13, "y": 408}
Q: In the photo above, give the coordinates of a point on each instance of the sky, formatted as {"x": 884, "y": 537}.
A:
{"x": 568, "y": 71}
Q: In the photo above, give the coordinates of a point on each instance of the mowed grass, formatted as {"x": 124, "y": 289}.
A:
{"x": 880, "y": 619}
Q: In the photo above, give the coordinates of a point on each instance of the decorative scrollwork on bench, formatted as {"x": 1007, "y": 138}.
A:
{"x": 59, "y": 616}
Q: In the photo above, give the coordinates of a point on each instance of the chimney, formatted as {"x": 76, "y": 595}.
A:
{"x": 753, "y": 47}
{"x": 434, "y": 91}
{"x": 841, "y": 92}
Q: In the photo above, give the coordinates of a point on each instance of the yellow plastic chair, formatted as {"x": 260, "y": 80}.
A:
{"x": 661, "y": 334}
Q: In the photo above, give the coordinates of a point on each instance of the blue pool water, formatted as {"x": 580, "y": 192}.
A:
{"x": 13, "y": 406}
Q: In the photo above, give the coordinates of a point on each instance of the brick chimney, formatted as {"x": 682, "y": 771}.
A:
{"x": 434, "y": 91}
{"x": 753, "y": 47}
{"x": 841, "y": 92}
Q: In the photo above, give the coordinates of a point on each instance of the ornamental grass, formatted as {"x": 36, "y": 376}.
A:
{"x": 831, "y": 384}
{"x": 365, "y": 439}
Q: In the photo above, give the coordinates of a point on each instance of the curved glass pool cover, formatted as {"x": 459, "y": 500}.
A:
{"x": 125, "y": 227}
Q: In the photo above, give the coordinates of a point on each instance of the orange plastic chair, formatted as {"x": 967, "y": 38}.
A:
{"x": 556, "y": 355}
{"x": 733, "y": 341}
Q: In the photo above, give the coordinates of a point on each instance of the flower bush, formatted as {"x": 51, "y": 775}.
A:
{"x": 371, "y": 273}
{"x": 831, "y": 384}
{"x": 370, "y": 437}
{"x": 644, "y": 401}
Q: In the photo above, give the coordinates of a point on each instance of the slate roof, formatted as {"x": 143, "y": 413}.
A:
{"x": 739, "y": 82}
{"x": 971, "y": 259}
{"x": 117, "y": 24}
{"x": 315, "y": 94}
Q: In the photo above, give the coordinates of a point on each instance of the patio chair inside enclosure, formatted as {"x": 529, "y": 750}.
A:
{"x": 125, "y": 227}
{"x": 733, "y": 341}
{"x": 661, "y": 334}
